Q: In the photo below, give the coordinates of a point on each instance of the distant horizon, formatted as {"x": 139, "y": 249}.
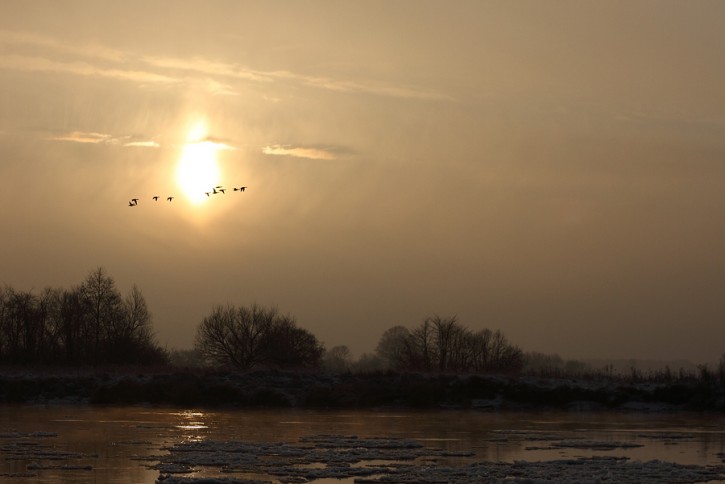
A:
{"x": 623, "y": 363}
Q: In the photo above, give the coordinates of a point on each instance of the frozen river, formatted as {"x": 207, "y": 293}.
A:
{"x": 84, "y": 444}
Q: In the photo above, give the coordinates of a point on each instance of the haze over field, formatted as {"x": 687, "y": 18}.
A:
{"x": 555, "y": 170}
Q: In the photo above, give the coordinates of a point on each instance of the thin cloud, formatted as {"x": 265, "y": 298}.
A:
{"x": 206, "y": 69}
{"x": 299, "y": 152}
{"x": 90, "y": 137}
{"x": 211, "y": 142}
{"x": 82, "y": 50}
{"x": 218, "y": 88}
{"x": 369, "y": 87}
{"x": 84, "y": 137}
{"x": 142, "y": 144}
{"x": 41, "y": 64}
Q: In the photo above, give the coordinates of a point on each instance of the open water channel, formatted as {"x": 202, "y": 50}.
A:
{"x": 90, "y": 444}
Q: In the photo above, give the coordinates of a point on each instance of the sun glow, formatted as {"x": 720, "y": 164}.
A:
{"x": 198, "y": 172}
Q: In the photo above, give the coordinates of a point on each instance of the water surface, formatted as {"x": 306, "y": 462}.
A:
{"x": 117, "y": 444}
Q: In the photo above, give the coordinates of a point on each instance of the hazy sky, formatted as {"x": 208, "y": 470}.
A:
{"x": 555, "y": 170}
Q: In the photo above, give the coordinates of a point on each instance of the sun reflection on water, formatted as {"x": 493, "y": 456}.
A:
{"x": 191, "y": 422}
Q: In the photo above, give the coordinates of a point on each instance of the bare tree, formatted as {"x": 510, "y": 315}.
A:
{"x": 89, "y": 323}
{"x": 337, "y": 359}
{"x": 22, "y": 327}
{"x": 423, "y": 345}
{"x": 218, "y": 339}
{"x": 444, "y": 330}
{"x": 395, "y": 347}
{"x": 444, "y": 345}
{"x": 4, "y": 321}
{"x": 49, "y": 311}
{"x": 136, "y": 325}
{"x": 74, "y": 327}
{"x": 480, "y": 343}
{"x": 106, "y": 309}
{"x": 248, "y": 337}
{"x": 288, "y": 346}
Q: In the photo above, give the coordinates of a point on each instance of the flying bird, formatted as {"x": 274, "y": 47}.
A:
{"x": 241, "y": 189}
{"x": 131, "y": 204}
{"x": 169, "y": 198}
{"x": 207, "y": 193}
{"x": 222, "y": 190}
{"x": 156, "y": 197}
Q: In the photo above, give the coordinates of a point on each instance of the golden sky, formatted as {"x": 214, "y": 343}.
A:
{"x": 555, "y": 170}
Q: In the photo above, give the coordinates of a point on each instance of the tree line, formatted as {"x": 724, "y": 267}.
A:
{"x": 91, "y": 323}
{"x": 443, "y": 344}
{"x": 94, "y": 324}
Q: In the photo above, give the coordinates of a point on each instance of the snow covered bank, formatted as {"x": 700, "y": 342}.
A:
{"x": 384, "y": 389}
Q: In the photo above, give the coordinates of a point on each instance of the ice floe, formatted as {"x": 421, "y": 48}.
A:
{"x": 33, "y": 447}
{"x": 381, "y": 460}
{"x": 595, "y": 444}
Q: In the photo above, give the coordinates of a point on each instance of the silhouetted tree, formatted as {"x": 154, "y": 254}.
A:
{"x": 337, "y": 359}
{"x": 105, "y": 311}
{"x": 73, "y": 326}
{"x": 368, "y": 363}
{"x": 444, "y": 330}
{"x": 19, "y": 326}
{"x": 543, "y": 364}
{"x": 395, "y": 347}
{"x": 422, "y": 339}
{"x": 49, "y": 308}
{"x": 444, "y": 345}
{"x": 90, "y": 323}
{"x": 248, "y": 337}
{"x": 288, "y": 346}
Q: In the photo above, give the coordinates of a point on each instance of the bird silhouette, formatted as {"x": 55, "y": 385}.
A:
{"x": 217, "y": 189}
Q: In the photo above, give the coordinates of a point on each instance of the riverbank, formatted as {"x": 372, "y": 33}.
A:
{"x": 195, "y": 387}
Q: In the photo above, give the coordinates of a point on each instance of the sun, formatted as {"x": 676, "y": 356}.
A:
{"x": 198, "y": 172}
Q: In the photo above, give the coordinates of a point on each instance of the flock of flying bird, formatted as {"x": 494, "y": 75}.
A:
{"x": 217, "y": 189}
